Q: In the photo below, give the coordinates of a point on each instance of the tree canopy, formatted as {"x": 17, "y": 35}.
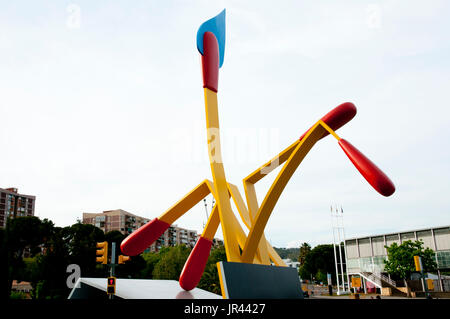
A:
{"x": 305, "y": 249}
{"x": 284, "y": 253}
{"x": 400, "y": 261}
{"x": 317, "y": 263}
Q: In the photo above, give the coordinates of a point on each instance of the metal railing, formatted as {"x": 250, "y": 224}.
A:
{"x": 378, "y": 278}
{"x": 387, "y": 279}
{"x": 369, "y": 276}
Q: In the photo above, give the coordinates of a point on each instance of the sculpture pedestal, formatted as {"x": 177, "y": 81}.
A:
{"x": 252, "y": 281}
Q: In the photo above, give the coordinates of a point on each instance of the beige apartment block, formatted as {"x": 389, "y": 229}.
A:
{"x": 117, "y": 219}
{"x": 13, "y": 204}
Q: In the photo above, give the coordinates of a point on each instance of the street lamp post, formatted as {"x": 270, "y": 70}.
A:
{"x": 339, "y": 226}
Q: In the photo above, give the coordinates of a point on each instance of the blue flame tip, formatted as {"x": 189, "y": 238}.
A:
{"x": 215, "y": 25}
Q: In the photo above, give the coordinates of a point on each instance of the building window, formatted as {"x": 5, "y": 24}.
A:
{"x": 407, "y": 236}
{"x": 426, "y": 238}
{"x": 442, "y": 237}
{"x": 443, "y": 259}
{"x": 378, "y": 246}
{"x": 364, "y": 247}
{"x": 390, "y": 239}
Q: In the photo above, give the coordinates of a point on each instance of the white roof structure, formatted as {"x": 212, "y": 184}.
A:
{"x": 140, "y": 289}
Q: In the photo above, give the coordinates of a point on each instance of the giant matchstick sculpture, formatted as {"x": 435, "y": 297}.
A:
{"x": 240, "y": 247}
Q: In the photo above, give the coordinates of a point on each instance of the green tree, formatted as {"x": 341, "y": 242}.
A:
{"x": 48, "y": 274}
{"x": 400, "y": 259}
{"x": 117, "y": 237}
{"x": 4, "y": 269}
{"x": 318, "y": 262}
{"x": 23, "y": 236}
{"x": 305, "y": 249}
{"x": 18, "y": 295}
{"x": 210, "y": 279}
{"x": 284, "y": 253}
{"x": 171, "y": 262}
{"x": 150, "y": 259}
{"x": 80, "y": 240}
{"x": 35, "y": 250}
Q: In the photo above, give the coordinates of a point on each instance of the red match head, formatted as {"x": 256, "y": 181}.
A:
{"x": 337, "y": 117}
{"x": 375, "y": 176}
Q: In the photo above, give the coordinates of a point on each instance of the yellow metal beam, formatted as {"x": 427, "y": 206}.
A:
{"x": 218, "y": 173}
{"x": 275, "y": 257}
{"x": 329, "y": 129}
{"x": 262, "y": 252}
{"x": 262, "y": 217}
{"x": 186, "y": 203}
{"x": 252, "y": 200}
{"x": 240, "y": 205}
{"x": 212, "y": 224}
{"x": 271, "y": 165}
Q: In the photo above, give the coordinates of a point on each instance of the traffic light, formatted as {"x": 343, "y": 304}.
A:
{"x": 102, "y": 252}
{"x": 418, "y": 263}
{"x": 111, "y": 287}
{"x": 123, "y": 259}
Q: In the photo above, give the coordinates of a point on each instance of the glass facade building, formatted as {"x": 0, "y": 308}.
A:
{"x": 367, "y": 254}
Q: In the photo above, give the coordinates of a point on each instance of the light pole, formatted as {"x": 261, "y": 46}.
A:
{"x": 335, "y": 255}
{"x": 339, "y": 226}
{"x": 206, "y": 211}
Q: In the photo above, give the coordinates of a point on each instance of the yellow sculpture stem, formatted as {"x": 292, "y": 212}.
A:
{"x": 252, "y": 200}
{"x": 271, "y": 165}
{"x": 186, "y": 203}
{"x": 212, "y": 224}
{"x": 262, "y": 254}
{"x": 294, "y": 160}
{"x": 329, "y": 129}
{"x": 218, "y": 173}
{"x": 275, "y": 257}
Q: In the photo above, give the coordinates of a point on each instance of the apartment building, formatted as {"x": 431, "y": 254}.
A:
{"x": 13, "y": 204}
{"x": 175, "y": 235}
{"x": 117, "y": 219}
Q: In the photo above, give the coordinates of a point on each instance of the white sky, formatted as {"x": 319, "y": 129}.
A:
{"x": 101, "y": 107}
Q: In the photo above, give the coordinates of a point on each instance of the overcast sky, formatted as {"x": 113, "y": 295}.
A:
{"x": 101, "y": 108}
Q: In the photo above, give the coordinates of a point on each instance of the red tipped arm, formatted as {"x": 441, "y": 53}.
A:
{"x": 195, "y": 264}
{"x": 337, "y": 117}
{"x": 210, "y": 62}
{"x": 139, "y": 240}
{"x": 368, "y": 169}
